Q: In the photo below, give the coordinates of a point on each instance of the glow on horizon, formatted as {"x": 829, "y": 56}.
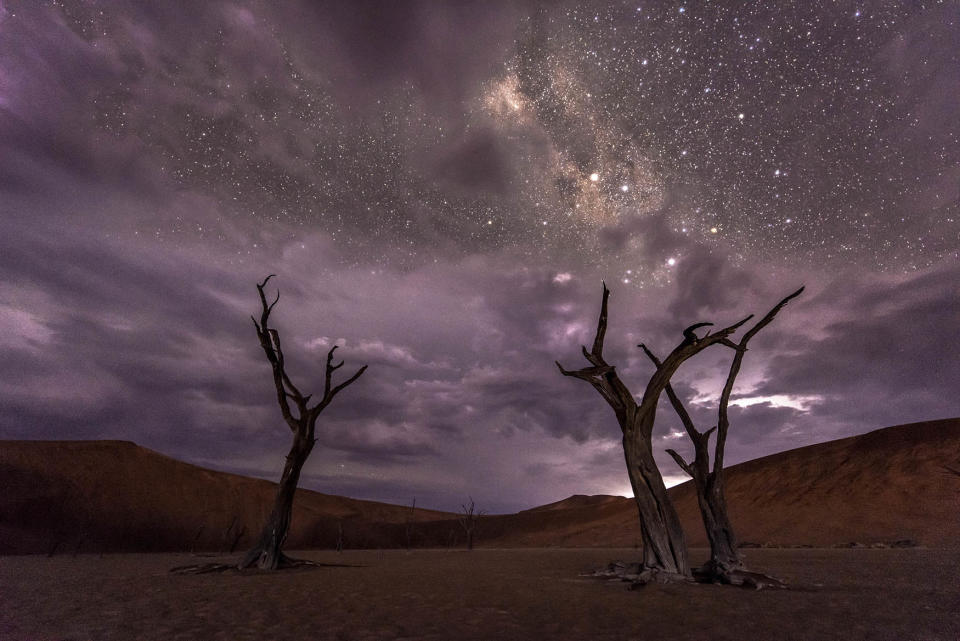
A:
{"x": 669, "y": 480}
{"x": 797, "y": 402}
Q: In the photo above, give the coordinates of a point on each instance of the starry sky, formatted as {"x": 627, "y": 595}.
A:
{"x": 440, "y": 188}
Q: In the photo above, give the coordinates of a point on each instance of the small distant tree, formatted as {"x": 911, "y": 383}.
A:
{"x": 468, "y": 518}
{"x": 408, "y": 523}
{"x": 725, "y": 564}
{"x": 664, "y": 546}
{"x": 301, "y": 418}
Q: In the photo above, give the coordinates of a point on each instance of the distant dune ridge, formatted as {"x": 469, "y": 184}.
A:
{"x": 105, "y": 496}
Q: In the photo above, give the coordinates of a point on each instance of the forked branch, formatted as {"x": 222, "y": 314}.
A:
{"x": 286, "y": 389}
{"x": 601, "y": 375}
{"x": 723, "y": 419}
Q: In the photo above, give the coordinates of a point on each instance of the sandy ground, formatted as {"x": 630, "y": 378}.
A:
{"x": 896, "y": 594}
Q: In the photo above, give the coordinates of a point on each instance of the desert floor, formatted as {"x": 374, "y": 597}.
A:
{"x": 847, "y": 594}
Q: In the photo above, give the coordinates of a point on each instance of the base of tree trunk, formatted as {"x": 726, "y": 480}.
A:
{"x": 638, "y": 576}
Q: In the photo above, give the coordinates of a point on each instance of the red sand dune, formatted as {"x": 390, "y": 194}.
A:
{"x": 880, "y": 487}
{"x": 118, "y": 496}
{"x": 91, "y": 496}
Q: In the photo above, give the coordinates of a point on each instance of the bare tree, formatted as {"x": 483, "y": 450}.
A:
{"x": 468, "y": 520}
{"x": 408, "y": 523}
{"x": 664, "y": 547}
{"x": 301, "y": 418}
{"x": 725, "y": 564}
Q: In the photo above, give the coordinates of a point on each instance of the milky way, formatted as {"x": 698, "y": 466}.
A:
{"x": 816, "y": 131}
{"x": 440, "y": 188}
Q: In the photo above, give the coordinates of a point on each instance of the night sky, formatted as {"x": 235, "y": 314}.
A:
{"x": 440, "y": 188}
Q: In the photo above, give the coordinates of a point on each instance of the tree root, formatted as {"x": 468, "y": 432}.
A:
{"x": 287, "y": 563}
{"x": 638, "y": 576}
{"x": 737, "y": 576}
{"x": 204, "y": 568}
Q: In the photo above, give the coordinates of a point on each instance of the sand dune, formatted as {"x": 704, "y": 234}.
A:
{"x": 91, "y": 496}
{"x": 879, "y": 487}
{"x": 118, "y": 496}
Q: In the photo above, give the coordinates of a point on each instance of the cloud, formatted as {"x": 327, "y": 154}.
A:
{"x": 152, "y": 175}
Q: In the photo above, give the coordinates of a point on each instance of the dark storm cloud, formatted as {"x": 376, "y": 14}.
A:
{"x": 480, "y": 163}
{"x": 907, "y": 329}
{"x": 707, "y": 282}
{"x": 165, "y": 356}
{"x": 443, "y": 49}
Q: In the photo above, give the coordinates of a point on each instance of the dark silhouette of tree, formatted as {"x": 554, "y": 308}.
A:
{"x": 468, "y": 520}
{"x": 725, "y": 564}
{"x": 408, "y": 524}
{"x": 664, "y": 547}
{"x": 301, "y": 418}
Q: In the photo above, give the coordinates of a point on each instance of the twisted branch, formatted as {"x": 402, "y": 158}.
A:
{"x": 286, "y": 389}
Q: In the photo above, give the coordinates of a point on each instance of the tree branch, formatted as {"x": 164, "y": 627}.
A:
{"x": 329, "y": 391}
{"x": 286, "y": 389}
{"x": 270, "y": 343}
{"x": 690, "y": 346}
{"x": 683, "y": 464}
{"x": 601, "y": 324}
{"x": 769, "y": 317}
{"x": 347, "y": 382}
{"x": 602, "y": 376}
{"x": 674, "y": 399}
{"x": 587, "y": 373}
{"x": 328, "y": 371}
{"x": 294, "y": 392}
{"x": 723, "y": 419}
{"x": 594, "y": 376}
{"x": 690, "y": 336}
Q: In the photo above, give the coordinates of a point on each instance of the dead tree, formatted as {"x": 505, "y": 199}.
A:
{"x": 301, "y": 418}
{"x": 725, "y": 564}
{"x": 664, "y": 547}
{"x": 408, "y": 524}
{"x": 468, "y": 520}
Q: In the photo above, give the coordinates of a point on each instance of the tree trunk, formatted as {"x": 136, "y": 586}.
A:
{"x": 724, "y": 556}
{"x": 267, "y": 553}
{"x": 664, "y": 547}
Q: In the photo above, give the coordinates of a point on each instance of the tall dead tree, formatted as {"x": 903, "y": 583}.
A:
{"x": 725, "y": 564}
{"x": 664, "y": 547}
{"x": 301, "y": 418}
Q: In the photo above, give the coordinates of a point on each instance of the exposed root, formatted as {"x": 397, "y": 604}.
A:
{"x": 204, "y": 568}
{"x": 286, "y": 563}
{"x": 639, "y": 576}
{"x": 754, "y": 580}
{"x": 711, "y": 573}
